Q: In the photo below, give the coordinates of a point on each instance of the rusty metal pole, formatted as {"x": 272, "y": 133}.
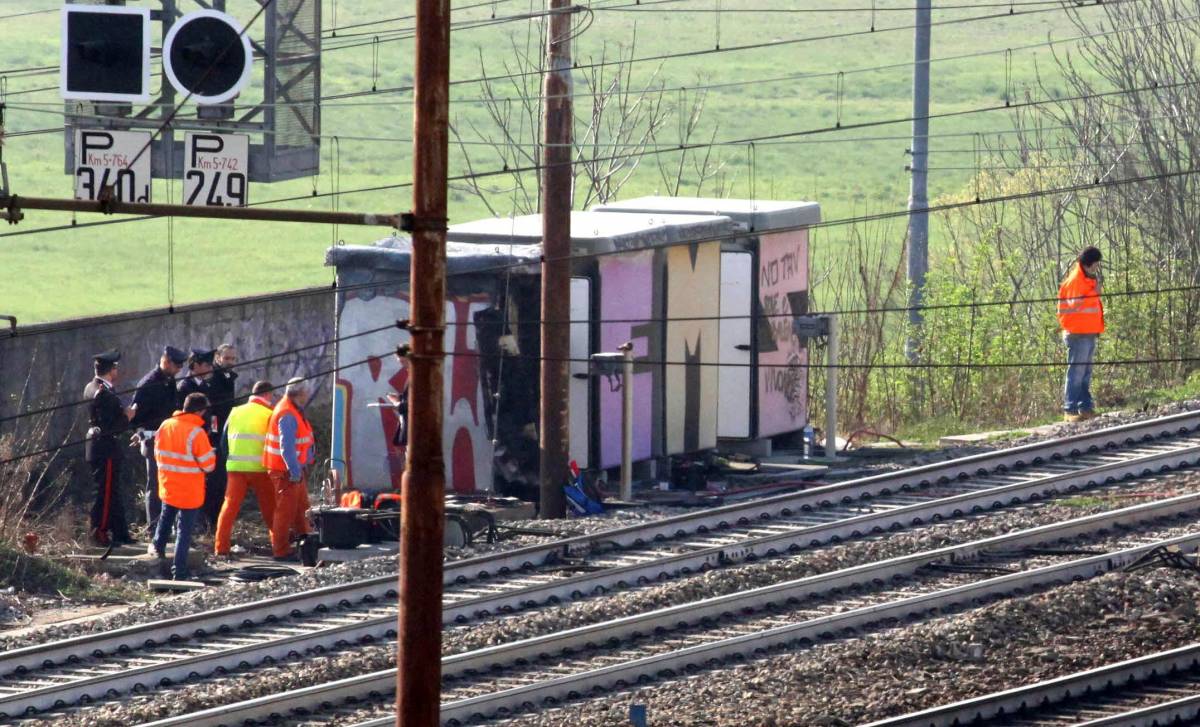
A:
{"x": 422, "y": 512}
{"x": 556, "y": 270}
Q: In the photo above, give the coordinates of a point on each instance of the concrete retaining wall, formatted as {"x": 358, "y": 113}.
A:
{"x": 49, "y": 364}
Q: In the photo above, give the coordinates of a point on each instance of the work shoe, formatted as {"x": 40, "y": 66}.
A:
{"x": 1072, "y": 417}
{"x": 1085, "y": 415}
{"x": 154, "y": 552}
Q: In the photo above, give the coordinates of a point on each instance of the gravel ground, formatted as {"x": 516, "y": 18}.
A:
{"x": 361, "y": 660}
{"x": 1105, "y": 421}
{"x": 11, "y": 610}
{"x": 235, "y": 593}
{"x": 232, "y": 594}
{"x": 1079, "y": 626}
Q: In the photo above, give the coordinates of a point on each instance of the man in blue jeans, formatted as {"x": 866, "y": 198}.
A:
{"x": 1081, "y": 317}
{"x": 183, "y": 455}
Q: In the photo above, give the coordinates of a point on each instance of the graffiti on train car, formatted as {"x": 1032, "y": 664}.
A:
{"x": 627, "y": 299}
{"x": 363, "y": 435}
{"x": 693, "y": 308}
{"x": 782, "y": 357}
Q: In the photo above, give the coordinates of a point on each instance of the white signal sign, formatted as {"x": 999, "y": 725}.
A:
{"x": 215, "y": 169}
{"x": 104, "y": 158}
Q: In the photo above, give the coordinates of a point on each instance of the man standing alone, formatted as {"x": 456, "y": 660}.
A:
{"x": 1081, "y": 316}
{"x": 288, "y": 451}
{"x": 184, "y": 455}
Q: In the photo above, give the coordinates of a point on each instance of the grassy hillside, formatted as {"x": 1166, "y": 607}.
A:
{"x": 123, "y": 266}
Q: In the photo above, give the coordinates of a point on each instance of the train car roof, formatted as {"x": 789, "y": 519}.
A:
{"x": 394, "y": 254}
{"x": 596, "y": 232}
{"x": 758, "y": 214}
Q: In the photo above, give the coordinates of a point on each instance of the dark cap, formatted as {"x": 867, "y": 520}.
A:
{"x": 107, "y": 357}
{"x": 177, "y": 356}
{"x": 202, "y": 356}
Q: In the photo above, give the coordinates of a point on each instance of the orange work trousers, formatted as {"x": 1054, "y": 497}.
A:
{"x": 291, "y": 502}
{"x": 236, "y": 484}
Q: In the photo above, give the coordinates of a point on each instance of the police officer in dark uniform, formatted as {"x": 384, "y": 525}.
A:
{"x": 155, "y": 400}
{"x": 200, "y": 380}
{"x": 222, "y": 393}
{"x": 200, "y": 365}
{"x": 107, "y": 417}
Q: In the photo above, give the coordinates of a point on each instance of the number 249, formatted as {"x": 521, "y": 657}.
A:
{"x": 231, "y": 193}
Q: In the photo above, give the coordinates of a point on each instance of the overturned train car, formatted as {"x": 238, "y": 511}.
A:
{"x": 680, "y": 278}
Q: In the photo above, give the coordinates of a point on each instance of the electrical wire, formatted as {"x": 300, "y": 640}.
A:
{"x": 739, "y": 234}
{"x": 239, "y": 365}
{"x": 1056, "y": 7}
{"x": 128, "y": 429}
{"x": 655, "y": 362}
{"x": 851, "y": 366}
{"x": 744, "y": 141}
{"x": 203, "y": 77}
{"x": 28, "y": 13}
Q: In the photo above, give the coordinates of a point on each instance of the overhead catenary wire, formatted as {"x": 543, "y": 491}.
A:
{"x": 240, "y": 365}
{"x": 705, "y": 51}
{"x": 733, "y": 235}
{"x": 129, "y": 429}
{"x": 706, "y": 364}
{"x": 729, "y": 236}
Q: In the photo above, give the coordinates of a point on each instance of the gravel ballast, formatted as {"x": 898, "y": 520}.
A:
{"x": 1079, "y": 626}
{"x": 360, "y": 660}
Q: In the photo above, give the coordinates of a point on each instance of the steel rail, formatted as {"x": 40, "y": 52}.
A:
{"x": 504, "y": 563}
{"x": 873, "y": 486}
{"x": 1038, "y": 696}
{"x": 608, "y": 677}
{"x": 796, "y": 539}
{"x": 483, "y": 660}
{"x": 1177, "y": 711}
{"x": 700, "y": 559}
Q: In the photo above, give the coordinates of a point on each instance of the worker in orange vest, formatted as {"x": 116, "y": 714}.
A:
{"x": 183, "y": 455}
{"x": 1081, "y": 316}
{"x": 244, "y": 439}
{"x": 289, "y": 449}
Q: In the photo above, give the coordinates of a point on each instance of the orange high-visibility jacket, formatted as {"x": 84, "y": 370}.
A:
{"x": 1079, "y": 308}
{"x": 273, "y": 452}
{"x": 183, "y": 454}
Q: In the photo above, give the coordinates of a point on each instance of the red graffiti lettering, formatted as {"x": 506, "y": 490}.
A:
{"x": 462, "y": 459}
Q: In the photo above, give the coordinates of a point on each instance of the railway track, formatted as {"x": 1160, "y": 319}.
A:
{"x": 1159, "y": 689}
{"x": 76, "y": 671}
{"x": 547, "y": 670}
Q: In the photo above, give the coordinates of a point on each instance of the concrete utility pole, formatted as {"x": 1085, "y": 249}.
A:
{"x": 918, "y": 198}
{"x": 556, "y": 271}
{"x": 422, "y": 513}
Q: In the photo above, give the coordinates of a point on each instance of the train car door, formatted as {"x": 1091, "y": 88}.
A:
{"x": 735, "y": 383}
{"x": 581, "y": 384}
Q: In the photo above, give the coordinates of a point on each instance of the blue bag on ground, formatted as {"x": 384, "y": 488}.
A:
{"x": 577, "y": 498}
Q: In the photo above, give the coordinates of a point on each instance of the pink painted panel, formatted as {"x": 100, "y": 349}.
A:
{"x": 627, "y": 294}
{"x": 782, "y": 358}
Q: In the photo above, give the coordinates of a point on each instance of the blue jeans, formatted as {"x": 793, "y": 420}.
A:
{"x": 187, "y": 520}
{"x": 153, "y": 504}
{"x": 1077, "y": 391}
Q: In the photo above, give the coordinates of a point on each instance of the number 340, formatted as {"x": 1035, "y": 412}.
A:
{"x": 220, "y": 189}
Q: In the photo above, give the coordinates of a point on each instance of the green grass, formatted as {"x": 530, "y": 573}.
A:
{"x": 1189, "y": 389}
{"x": 123, "y": 266}
{"x": 37, "y": 574}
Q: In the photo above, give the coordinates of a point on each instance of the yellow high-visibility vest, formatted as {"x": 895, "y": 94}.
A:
{"x": 247, "y": 433}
